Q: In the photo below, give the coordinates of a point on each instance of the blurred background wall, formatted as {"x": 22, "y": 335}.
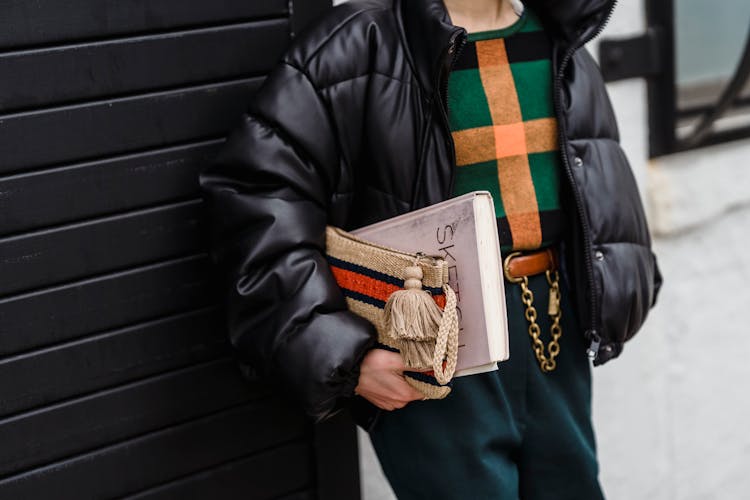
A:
{"x": 671, "y": 413}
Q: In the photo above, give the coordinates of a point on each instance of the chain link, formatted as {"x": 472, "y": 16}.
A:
{"x": 547, "y": 364}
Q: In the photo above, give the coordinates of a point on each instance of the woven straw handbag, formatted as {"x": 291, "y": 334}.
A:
{"x": 408, "y": 299}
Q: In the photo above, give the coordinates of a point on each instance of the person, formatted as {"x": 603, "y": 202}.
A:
{"x": 386, "y": 106}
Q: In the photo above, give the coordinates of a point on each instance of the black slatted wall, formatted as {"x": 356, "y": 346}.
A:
{"x": 115, "y": 376}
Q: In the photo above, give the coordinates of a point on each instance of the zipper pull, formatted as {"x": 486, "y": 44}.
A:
{"x": 553, "y": 308}
{"x": 593, "y": 351}
{"x": 453, "y": 43}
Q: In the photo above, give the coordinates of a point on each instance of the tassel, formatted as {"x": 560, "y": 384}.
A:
{"x": 413, "y": 320}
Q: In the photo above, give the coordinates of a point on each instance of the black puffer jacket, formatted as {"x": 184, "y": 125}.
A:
{"x": 351, "y": 128}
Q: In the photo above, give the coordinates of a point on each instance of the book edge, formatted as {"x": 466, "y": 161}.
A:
{"x": 420, "y": 211}
{"x": 491, "y": 281}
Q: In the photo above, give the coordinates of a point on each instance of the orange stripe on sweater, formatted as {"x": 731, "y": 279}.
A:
{"x": 519, "y": 200}
{"x": 498, "y": 83}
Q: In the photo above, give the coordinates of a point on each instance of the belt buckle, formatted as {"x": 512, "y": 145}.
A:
{"x": 506, "y": 267}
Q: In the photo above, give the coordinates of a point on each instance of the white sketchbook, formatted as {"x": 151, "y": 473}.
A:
{"x": 463, "y": 231}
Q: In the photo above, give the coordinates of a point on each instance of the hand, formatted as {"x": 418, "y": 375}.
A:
{"x": 382, "y": 383}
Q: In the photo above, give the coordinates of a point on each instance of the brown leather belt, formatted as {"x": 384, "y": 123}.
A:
{"x": 517, "y": 265}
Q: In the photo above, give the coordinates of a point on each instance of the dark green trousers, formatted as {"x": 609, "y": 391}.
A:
{"x": 516, "y": 433}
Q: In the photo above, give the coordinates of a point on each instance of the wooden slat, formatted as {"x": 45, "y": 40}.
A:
{"x": 267, "y": 475}
{"x": 102, "y": 187}
{"x": 67, "y": 253}
{"x": 58, "y": 314}
{"x": 46, "y": 21}
{"x": 75, "y": 426}
{"x": 130, "y": 65}
{"x": 108, "y": 359}
{"x": 165, "y": 455}
{"x": 106, "y": 128}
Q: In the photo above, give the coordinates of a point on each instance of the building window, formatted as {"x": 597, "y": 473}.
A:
{"x": 696, "y": 56}
{"x": 710, "y": 44}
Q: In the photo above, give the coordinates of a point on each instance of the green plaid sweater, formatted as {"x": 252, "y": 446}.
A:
{"x": 503, "y": 123}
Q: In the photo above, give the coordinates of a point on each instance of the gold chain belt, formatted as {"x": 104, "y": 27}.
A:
{"x": 517, "y": 268}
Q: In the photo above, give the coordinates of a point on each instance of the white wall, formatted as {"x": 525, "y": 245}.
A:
{"x": 671, "y": 414}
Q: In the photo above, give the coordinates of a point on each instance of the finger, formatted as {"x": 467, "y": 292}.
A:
{"x": 406, "y": 392}
{"x": 386, "y": 407}
{"x": 387, "y": 403}
{"x": 391, "y": 360}
{"x": 377, "y": 400}
{"x": 407, "y": 396}
{"x": 396, "y": 363}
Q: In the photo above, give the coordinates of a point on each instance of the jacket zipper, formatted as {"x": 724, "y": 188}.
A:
{"x": 453, "y": 50}
{"x": 592, "y": 334}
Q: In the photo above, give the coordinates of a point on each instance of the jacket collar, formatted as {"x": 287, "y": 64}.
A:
{"x": 573, "y": 21}
{"x": 428, "y": 29}
{"x": 428, "y": 32}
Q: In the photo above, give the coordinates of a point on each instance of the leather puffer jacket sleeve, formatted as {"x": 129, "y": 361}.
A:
{"x": 267, "y": 193}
